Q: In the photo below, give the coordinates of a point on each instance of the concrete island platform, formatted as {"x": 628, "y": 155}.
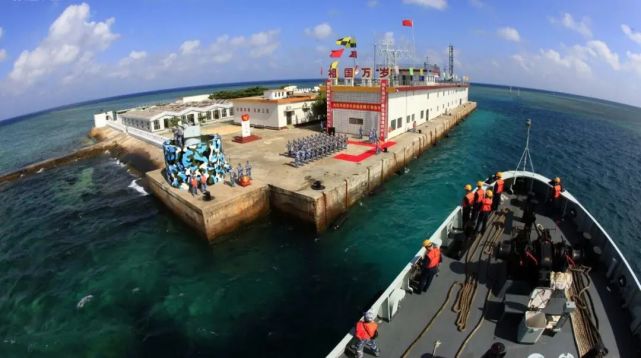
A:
{"x": 280, "y": 186}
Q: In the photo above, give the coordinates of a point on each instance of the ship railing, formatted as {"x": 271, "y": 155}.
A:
{"x": 618, "y": 272}
{"x": 387, "y": 304}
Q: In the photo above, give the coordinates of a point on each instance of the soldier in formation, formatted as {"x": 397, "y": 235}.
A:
{"x": 308, "y": 149}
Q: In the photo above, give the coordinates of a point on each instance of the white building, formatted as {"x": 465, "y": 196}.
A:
{"x": 394, "y": 109}
{"x": 277, "y": 108}
{"x": 157, "y": 118}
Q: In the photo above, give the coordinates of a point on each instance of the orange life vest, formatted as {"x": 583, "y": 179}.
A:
{"x": 433, "y": 258}
{"x": 557, "y": 191}
{"x": 203, "y": 179}
{"x": 498, "y": 188}
{"x": 480, "y": 194}
{"x": 486, "y": 206}
{"x": 193, "y": 181}
{"x": 468, "y": 199}
{"x": 365, "y": 330}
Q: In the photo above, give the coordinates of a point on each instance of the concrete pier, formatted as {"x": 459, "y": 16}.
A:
{"x": 280, "y": 186}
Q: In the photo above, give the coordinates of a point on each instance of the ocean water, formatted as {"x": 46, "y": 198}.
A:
{"x": 273, "y": 288}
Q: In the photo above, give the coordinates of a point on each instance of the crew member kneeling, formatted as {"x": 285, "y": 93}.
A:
{"x": 429, "y": 265}
{"x": 366, "y": 333}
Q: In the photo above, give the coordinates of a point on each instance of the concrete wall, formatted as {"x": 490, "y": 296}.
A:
{"x": 215, "y": 218}
{"x": 272, "y": 115}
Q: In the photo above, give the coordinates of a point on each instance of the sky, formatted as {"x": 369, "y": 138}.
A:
{"x": 55, "y": 53}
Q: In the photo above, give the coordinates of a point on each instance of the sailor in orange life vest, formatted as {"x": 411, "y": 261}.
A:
{"x": 366, "y": 332}
{"x": 478, "y": 198}
{"x": 486, "y": 209}
{"x": 555, "y": 196}
{"x": 429, "y": 265}
{"x": 498, "y": 190}
{"x": 468, "y": 202}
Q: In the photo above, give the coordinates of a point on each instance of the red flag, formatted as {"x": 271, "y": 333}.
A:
{"x": 336, "y": 53}
{"x": 353, "y": 54}
{"x": 408, "y": 22}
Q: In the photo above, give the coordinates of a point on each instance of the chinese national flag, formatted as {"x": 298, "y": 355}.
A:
{"x": 408, "y": 22}
{"x": 353, "y": 54}
{"x": 336, "y": 53}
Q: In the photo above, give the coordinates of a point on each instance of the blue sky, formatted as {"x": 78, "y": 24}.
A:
{"x": 59, "y": 52}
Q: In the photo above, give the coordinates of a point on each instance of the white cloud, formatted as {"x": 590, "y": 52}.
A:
{"x": 72, "y": 39}
{"x": 582, "y": 27}
{"x": 477, "y": 3}
{"x": 189, "y": 46}
{"x": 388, "y": 37}
{"x": 3, "y": 54}
{"x": 436, "y": 4}
{"x": 521, "y": 61}
{"x": 263, "y": 43}
{"x": 372, "y": 3}
{"x": 509, "y": 34}
{"x": 137, "y": 55}
{"x": 570, "y": 61}
{"x": 634, "y": 62}
{"x": 319, "y": 31}
{"x": 632, "y": 35}
{"x": 600, "y": 49}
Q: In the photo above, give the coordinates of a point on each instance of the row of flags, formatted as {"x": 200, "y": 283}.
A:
{"x": 350, "y": 42}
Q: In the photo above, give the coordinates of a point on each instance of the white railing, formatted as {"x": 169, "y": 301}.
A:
{"x": 116, "y": 126}
{"x": 148, "y": 137}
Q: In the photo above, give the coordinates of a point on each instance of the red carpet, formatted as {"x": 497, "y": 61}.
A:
{"x": 366, "y": 154}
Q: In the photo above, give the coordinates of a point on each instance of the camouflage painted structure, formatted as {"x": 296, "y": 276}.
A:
{"x": 194, "y": 160}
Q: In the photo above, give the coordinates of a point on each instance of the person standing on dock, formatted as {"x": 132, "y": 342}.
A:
{"x": 486, "y": 209}
{"x": 498, "y": 190}
{"x": 193, "y": 185}
{"x": 203, "y": 182}
{"x": 467, "y": 204}
{"x": 478, "y": 198}
{"x": 429, "y": 265}
{"x": 366, "y": 332}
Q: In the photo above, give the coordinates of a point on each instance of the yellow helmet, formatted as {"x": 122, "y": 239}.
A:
{"x": 499, "y": 174}
{"x": 427, "y": 244}
{"x": 489, "y": 193}
{"x": 557, "y": 180}
{"x": 468, "y": 187}
{"x": 479, "y": 184}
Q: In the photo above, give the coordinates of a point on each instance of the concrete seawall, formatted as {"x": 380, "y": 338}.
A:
{"x": 321, "y": 209}
{"x": 286, "y": 189}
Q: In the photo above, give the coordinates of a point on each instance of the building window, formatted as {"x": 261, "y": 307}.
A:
{"x": 393, "y": 125}
{"x": 156, "y": 125}
{"x": 413, "y": 118}
{"x": 356, "y": 121}
{"x": 399, "y": 123}
{"x": 208, "y": 115}
{"x": 224, "y": 114}
{"x": 407, "y": 120}
{"x": 231, "y": 111}
{"x": 267, "y": 110}
{"x": 422, "y": 114}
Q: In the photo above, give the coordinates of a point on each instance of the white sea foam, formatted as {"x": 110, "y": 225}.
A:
{"x": 138, "y": 188}
{"x": 40, "y": 170}
{"x": 84, "y": 301}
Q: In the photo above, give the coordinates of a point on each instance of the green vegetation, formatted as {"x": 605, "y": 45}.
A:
{"x": 319, "y": 107}
{"x": 245, "y": 92}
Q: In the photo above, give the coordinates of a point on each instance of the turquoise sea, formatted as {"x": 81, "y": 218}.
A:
{"x": 273, "y": 288}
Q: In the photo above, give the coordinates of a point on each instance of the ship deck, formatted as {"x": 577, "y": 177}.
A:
{"x": 496, "y": 325}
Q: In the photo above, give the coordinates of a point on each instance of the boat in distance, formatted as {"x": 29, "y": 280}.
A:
{"x": 542, "y": 280}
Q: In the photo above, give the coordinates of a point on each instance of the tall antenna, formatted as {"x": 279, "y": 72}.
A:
{"x": 451, "y": 67}
{"x": 525, "y": 156}
{"x": 390, "y": 54}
